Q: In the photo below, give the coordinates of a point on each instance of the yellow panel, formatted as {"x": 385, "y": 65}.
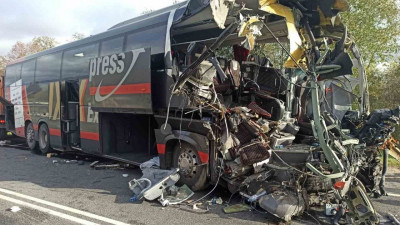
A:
{"x": 245, "y": 31}
{"x": 271, "y": 6}
{"x": 298, "y": 54}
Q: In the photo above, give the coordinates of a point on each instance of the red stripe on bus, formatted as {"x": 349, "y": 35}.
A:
{"x": 144, "y": 88}
{"x": 90, "y": 136}
{"x": 55, "y": 132}
{"x": 203, "y": 157}
{"x": 161, "y": 149}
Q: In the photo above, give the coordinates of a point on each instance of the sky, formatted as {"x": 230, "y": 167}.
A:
{"x": 22, "y": 20}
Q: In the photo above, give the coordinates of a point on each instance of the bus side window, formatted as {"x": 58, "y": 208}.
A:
{"x": 28, "y": 72}
{"x": 48, "y": 68}
{"x": 13, "y": 74}
{"x": 76, "y": 62}
{"x": 112, "y": 46}
{"x": 147, "y": 38}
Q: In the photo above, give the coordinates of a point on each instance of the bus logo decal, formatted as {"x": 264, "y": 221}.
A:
{"x": 110, "y": 60}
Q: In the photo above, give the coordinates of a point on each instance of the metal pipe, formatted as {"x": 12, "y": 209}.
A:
{"x": 384, "y": 171}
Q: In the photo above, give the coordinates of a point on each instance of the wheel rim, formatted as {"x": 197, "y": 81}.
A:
{"x": 187, "y": 163}
{"x": 43, "y": 138}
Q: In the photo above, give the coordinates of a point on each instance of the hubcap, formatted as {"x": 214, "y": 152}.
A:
{"x": 187, "y": 162}
{"x": 43, "y": 139}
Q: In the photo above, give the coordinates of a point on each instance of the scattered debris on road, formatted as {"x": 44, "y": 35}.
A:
{"x": 237, "y": 208}
{"x": 153, "y": 183}
{"x": 94, "y": 163}
{"x": 14, "y": 209}
{"x": 107, "y": 166}
{"x": 50, "y": 155}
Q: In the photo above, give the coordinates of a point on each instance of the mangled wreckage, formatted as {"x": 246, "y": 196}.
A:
{"x": 289, "y": 134}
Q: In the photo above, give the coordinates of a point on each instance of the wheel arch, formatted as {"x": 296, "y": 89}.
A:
{"x": 166, "y": 146}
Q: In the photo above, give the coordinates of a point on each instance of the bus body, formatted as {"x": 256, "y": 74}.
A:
{"x": 61, "y": 87}
{"x": 109, "y": 94}
{"x": 3, "y": 131}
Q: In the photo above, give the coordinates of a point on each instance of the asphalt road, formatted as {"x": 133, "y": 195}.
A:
{"x": 57, "y": 193}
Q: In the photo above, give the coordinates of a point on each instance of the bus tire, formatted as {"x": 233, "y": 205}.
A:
{"x": 30, "y": 137}
{"x": 44, "y": 139}
{"x": 192, "y": 173}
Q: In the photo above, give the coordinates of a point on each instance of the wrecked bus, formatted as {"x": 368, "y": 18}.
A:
{"x": 153, "y": 85}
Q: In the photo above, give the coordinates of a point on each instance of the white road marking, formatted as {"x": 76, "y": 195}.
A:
{"x": 49, "y": 211}
{"x": 66, "y": 208}
{"x": 394, "y": 195}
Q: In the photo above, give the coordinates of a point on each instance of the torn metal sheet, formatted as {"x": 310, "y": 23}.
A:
{"x": 220, "y": 10}
{"x": 251, "y": 29}
{"x": 273, "y": 7}
{"x": 283, "y": 205}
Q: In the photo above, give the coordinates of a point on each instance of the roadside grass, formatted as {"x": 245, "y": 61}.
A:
{"x": 392, "y": 162}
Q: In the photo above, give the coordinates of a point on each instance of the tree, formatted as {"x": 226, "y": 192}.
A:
{"x": 375, "y": 27}
{"x": 37, "y": 44}
{"x": 147, "y": 11}
{"x": 20, "y": 49}
{"x": 78, "y": 36}
{"x": 3, "y": 63}
{"x": 390, "y": 92}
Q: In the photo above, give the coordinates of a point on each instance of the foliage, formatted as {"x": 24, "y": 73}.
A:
{"x": 20, "y": 49}
{"x": 226, "y": 52}
{"x": 375, "y": 27}
{"x": 78, "y": 36}
{"x": 3, "y": 63}
{"x": 37, "y": 44}
{"x": 271, "y": 50}
{"x": 390, "y": 92}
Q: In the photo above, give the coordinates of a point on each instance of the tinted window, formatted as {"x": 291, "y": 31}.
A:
{"x": 76, "y": 61}
{"x": 112, "y": 46}
{"x": 154, "y": 38}
{"x": 48, "y": 68}
{"x": 13, "y": 73}
{"x": 28, "y": 72}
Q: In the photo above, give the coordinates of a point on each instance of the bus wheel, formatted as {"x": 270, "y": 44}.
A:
{"x": 30, "y": 137}
{"x": 191, "y": 171}
{"x": 44, "y": 139}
